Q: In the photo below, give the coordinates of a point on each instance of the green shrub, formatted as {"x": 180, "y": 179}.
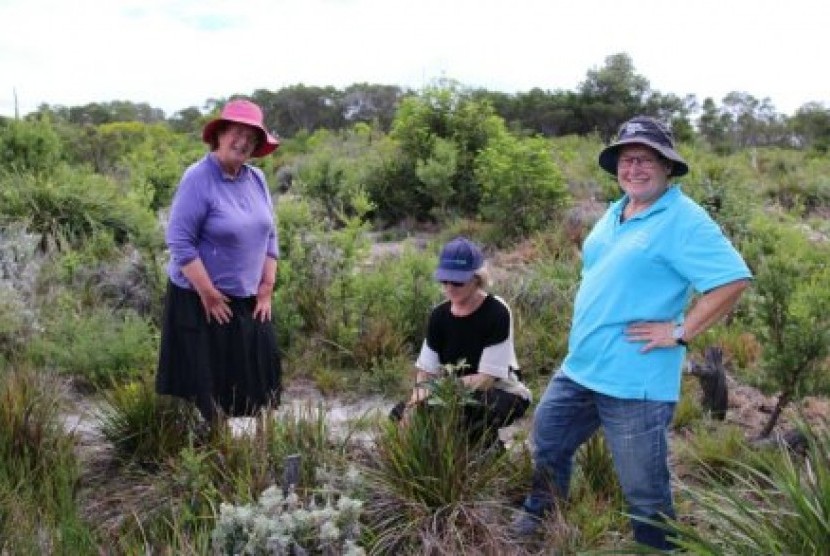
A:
{"x": 317, "y": 275}
{"x": 726, "y": 188}
{"x": 542, "y": 303}
{"x": 576, "y": 158}
{"x": 298, "y": 226}
{"x": 334, "y": 172}
{"x": 66, "y": 207}
{"x": 523, "y": 188}
{"x": 149, "y": 159}
{"x": 792, "y": 312}
{"x": 29, "y": 146}
{"x": 346, "y": 311}
{"x": 795, "y": 182}
{"x": 399, "y": 290}
{"x": 102, "y": 346}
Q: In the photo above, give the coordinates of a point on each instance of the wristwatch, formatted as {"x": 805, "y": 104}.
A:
{"x": 678, "y": 333}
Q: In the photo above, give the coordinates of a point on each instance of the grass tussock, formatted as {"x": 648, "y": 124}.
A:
{"x": 433, "y": 490}
{"x": 143, "y": 426}
{"x": 773, "y": 503}
{"x": 715, "y": 449}
{"x": 39, "y": 473}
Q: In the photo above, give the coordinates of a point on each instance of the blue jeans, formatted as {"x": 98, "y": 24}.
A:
{"x": 637, "y": 435}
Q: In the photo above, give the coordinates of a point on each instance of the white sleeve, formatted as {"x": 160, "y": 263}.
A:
{"x": 428, "y": 360}
{"x": 498, "y": 359}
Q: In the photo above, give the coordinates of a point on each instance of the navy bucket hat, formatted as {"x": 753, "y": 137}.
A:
{"x": 647, "y": 131}
{"x": 459, "y": 260}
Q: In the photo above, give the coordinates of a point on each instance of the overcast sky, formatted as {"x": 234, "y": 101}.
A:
{"x": 174, "y": 54}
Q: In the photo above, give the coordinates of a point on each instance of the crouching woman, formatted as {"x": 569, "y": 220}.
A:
{"x": 471, "y": 332}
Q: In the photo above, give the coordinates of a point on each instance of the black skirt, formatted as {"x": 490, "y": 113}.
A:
{"x": 230, "y": 369}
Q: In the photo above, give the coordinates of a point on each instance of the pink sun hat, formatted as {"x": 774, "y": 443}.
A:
{"x": 244, "y": 112}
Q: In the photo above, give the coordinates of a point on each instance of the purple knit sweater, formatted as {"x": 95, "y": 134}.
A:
{"x": 227, "y": 223}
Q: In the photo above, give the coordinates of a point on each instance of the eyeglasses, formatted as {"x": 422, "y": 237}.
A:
{"x": 242, "y": 131}
{"x": 645, "y": 162}
{"x": 453, "y": 284}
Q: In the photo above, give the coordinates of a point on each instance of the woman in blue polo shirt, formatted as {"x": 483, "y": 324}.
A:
{"x": 641, "y": 263}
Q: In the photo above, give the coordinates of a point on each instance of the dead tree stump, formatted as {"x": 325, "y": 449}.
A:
{"x": 712, "y": 377}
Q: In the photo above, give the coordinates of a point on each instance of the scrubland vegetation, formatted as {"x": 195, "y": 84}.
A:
{"x": 83, "y": 198}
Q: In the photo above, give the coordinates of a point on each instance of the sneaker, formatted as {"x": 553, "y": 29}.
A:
{"x": 525, "y": 524}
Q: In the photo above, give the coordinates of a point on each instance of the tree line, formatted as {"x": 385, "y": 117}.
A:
{"x": 607, "y": 96}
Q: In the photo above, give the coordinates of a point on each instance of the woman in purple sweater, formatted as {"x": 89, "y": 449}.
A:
{"x": 218, "y": 346}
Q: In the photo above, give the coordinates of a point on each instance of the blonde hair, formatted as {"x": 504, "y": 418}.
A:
{"x": 482, "y": 277}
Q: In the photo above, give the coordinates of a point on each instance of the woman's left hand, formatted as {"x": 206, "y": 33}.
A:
{"x": 654, "y": 334}
{"x": 262, "y": 310}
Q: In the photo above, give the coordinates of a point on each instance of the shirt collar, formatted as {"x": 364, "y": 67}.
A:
{"x": 672, "y": 192}
{"x": 220, "y": 175}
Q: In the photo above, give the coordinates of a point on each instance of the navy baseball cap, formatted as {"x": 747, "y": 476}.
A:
{"x": 459, "y": 260}
{"x": 647, "y": 131}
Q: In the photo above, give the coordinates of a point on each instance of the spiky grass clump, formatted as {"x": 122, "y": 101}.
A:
{"x": 39, "y": 473}
{"x": 100, "y": 345}
{"x": 688, "y": 410}
{"x": 432, "y": 490}
{"x": 143, "y": 426}
{"x": 595, "y": 511}
{"x": 595, "y": 470}
{"x": 716, "y": 448}
{"x": 304, "y": 430}
{"x": 772, "y": 504}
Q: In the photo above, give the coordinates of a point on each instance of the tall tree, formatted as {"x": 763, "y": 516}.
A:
{"x": 611, "y": 94}
{"x": 548, "y": 113}
{"x": 300, "y": 107}
{"x": 187, "y": 120}
{"x": 363, "y": 102}
{"x": 714, "y": 125}
{"x": 754, "y": 122}
{"x": 811, "y": 125}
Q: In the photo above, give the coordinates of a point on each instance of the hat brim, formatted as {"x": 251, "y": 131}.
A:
{"x": 266, "y": 147}
{"x": 446, "y": 275}
{"x": 608, "y": 156}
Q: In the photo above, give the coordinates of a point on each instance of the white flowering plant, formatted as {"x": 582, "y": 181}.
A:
{"x": 279, "y": 523}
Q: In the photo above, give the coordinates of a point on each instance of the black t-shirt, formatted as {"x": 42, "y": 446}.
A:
{"x": 455, "y": 339}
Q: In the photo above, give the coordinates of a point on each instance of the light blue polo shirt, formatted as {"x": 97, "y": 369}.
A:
{"x": 644, "y": 269}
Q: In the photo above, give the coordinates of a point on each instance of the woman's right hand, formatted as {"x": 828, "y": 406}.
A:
{"x": 216, "y": 305}
{"x": 213, "y": 301}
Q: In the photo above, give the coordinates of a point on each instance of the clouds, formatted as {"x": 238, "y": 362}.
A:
{"x": 179, "y": 53}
